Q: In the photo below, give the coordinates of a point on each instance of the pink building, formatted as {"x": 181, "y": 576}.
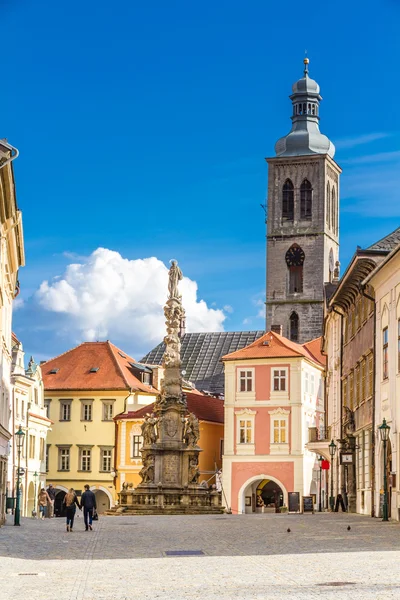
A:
{"x": 273, "y": 393}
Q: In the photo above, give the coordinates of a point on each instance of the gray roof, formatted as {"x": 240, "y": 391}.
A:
{"x": 305, "y": 137}
{"x": 389, "y": 242}
{"x": 201, "y": 356}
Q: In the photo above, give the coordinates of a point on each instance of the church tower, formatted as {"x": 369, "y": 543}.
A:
{"x": 303, "y": 219}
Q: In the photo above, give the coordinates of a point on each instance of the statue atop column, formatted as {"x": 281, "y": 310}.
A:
{"x": 175, "y": 276}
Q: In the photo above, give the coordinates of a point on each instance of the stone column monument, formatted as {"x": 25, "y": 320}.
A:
{"x": 170, "y": 453}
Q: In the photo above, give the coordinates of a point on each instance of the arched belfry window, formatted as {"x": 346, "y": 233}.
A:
{"x": 334, "y": 211}
{"x": 294, "y": 327}
{"x": 288, "y": 201}
{"x": 306, "y": 200}
{"x": 295, "y": 260}
{"x": 328, "y": 205}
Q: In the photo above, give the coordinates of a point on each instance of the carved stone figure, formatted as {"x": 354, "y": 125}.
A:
{"x": 194, "y": 472}
{"x": 192, "y": 430}
{"x": 175, "y": 276}
{"x": 147, "y": 471}
{"x": 350, "y": 422}
{"x": 149, "y": 430}
{"x": 127, "y": 486}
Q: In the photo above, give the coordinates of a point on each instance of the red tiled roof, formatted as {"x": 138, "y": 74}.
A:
{"x": 114, "y": 371}
{"x": 206, "y": 408}
{"x": 315, "y": 348}
{"x": 273, "y": 345}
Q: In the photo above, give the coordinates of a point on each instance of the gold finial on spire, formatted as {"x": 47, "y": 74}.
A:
{"x": 306, "y": 63}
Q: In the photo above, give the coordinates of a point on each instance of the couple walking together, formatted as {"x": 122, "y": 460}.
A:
{"x": 88, "y": 503}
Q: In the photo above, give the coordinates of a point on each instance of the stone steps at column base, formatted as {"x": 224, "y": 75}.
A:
{"x": 170, "y": 510}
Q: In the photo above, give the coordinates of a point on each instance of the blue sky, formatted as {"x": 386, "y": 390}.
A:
{"x": 143, "y": 127}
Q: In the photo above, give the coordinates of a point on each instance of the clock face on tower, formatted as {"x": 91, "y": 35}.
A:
{"x": 294, "y": 256}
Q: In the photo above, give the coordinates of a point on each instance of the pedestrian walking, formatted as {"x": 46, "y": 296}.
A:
{"x": 43, "y": 500}
{"x": 88, "y": 503}
{"x": 52, "y": 495}
{"x": 71, "y": 502}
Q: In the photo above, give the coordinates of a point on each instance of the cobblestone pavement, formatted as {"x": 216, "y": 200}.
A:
{"x": 245, "y": 557}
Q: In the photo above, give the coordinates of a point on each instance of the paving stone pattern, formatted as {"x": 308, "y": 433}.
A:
{"x": 245, "y": 557}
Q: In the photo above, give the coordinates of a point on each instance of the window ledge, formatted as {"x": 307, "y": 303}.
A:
{"x": 245, "y": 448}
{"x": 279, "y": 449}
{"x": 83, "y": 471}
{"x": 62, "y": 470}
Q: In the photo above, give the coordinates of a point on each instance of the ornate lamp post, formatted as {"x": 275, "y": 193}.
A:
{"x": 332, "y": 452}
{"x": 384, "y": 433}
{"x": 320, "y": 459}
{"x": 34, "y": 511}
{"x": 19, "y": 440}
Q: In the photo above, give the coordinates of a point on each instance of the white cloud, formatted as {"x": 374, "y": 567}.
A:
{"x": 228, "y": 308}
{"x": 360, "y": 140}
{"x": 108, "y": 296}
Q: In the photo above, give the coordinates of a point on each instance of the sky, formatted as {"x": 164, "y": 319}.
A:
{"x": 142, "y": 129}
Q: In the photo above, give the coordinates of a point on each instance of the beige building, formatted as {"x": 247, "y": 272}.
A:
{"x": 384, "y": 283}
{"x": 11, "y": 259}
{"x": 28, "y": 410}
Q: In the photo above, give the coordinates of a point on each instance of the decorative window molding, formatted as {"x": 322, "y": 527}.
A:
{"x": 245, "y": 380}
{"x": 279, "y": 381}
{"x": 245, "y": 431}
{"x": 279, "y": 431}
{"x": 65, "y": 409}
{"x": 107, "y": 410}
{"x": 86, "y": 409}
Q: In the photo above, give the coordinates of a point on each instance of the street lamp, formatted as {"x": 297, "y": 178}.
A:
{"x": 34, "y": 511}
{"x": 332, "y": 452}
{"x": 320, "y": 459}
{"x": 19, "y": 440}
{"x": 384, "y": 432}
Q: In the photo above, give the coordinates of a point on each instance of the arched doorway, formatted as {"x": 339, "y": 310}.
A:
{"x": 102, "y": 501}
{"x": 31, "y": 499}
{"x": 272, "y": 492}
{"x": 59, "y": 506}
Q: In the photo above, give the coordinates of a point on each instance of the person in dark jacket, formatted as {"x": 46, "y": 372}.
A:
{"x": 70, "y": 500}
{"x": 88, "y": 503}
{"x": 52, "y": 495}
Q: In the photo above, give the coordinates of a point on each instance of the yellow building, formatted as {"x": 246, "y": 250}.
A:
{"x": 84, "y": 389}
{"x": 209, "y": 411}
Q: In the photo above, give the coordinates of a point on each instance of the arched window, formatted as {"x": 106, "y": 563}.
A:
{"x": 295, "y": 259}
{"x": 288, "y": 201}
{"x": 328, "y": 205}
{"x": 304, "y": 108}
{"x": 313, "y": 109}
{"x": 334, "y": 211}
{"x": 294, "y": 327}
{"x": 306, "y": 200}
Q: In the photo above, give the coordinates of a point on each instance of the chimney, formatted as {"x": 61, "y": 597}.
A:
{"x": 277, "y": 329}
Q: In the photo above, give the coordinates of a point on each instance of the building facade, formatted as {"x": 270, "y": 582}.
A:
{"x": 84, "y": 389}
{"x": 29, "y": 412}
{"x": 11, "y": 259}
{"x": 384, "y": 284}
{"x": 273, "y": 393}
{"x": 209, "y": 411}
{"x": 303, "y": 220}
{"x": 352, "y": 380}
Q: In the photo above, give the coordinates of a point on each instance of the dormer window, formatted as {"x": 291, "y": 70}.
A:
{"x": 94, "y": 369}
{"x": 54, "y": 371}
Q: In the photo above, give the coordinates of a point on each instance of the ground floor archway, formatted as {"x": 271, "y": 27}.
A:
{"x": 102, "y": 501}
{"x": 59, "y": 506}
{"x": 262, "y": 494}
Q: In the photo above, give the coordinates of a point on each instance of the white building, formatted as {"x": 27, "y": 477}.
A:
{"x": 11, "y": 259}
{"x": 28, "y": 410}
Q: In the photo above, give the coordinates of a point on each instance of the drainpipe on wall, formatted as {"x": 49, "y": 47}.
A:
{"x": 364, "y": 293}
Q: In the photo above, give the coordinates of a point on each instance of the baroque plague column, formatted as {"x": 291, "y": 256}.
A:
{"x": 170, "y": 453}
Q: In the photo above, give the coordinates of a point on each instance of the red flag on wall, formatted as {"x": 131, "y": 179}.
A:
{"x": 325, "y": 465}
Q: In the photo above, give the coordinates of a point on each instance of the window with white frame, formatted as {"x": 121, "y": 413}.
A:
{"x": 63, "y": 458}
{"x": 85, "y": 459}
{"x": 108, "y": 410}
{"x": 137, "y": 443}
{"x": 245, "y": 431}
{"x": 87, "y": 410}
{"x": 280, "y": 430}
{"x": 65, "y": 410}
{"x": 312, "y": 384}
{"x": 245, "y": 380}
{"x": 105, "y": 460}
{"x": 47, "y": 407}
{"x": 306, "y": 383}
{"x": 279, "y": 380}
